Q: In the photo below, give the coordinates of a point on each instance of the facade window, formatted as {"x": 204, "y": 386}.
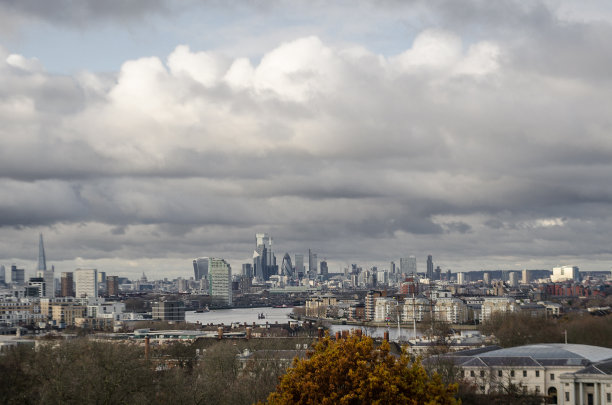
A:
{"x": 537, "y": 389}
{"x": 552, "y": 377}
{"x": 608, "y": 397}
{"x": 462, "y": 373}
{"x": 472, "y": 374}
{"x": 567, "y": 396}
{"x": 524, "y": 373}
{"x": 537, "y": 373}
{"x": 500, "y": 373}
{"x": 511, "y": 373}
{"x": 482, "y": 373}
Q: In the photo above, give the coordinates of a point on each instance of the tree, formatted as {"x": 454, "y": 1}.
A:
{"x": 353, "y": 371}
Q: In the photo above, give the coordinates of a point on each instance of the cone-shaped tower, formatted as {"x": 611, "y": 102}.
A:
{"x": 42, "y": 262}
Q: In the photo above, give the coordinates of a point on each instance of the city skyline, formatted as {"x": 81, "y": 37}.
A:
{"x": 137, "y": 138}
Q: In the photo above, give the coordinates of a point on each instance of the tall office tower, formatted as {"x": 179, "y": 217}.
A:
{"x": 47, "y": 276}
{"x": 17, "y": 275}
{"x": 448, "y": 274}
{"x": 526, "y": 279}
{"x": 112, "y": 286}
{"x": 408, "y": 265}
{"x": 565, "y": 273}
{"x": 264, "y": 261}
{"x": 86, "y": 281}
{"x": 42, "y": 261}
{"x": 486, "y": 277}
{"x": 67, "y": 281}
{"x": 324, "y": 270}
{"x": 247, "y": 270}
{"x": 2, "y": 274}
{"x": 392, "y": 267}
{"x": 430, "y": 268}
{"x": 438, "y": 273}
{"x": 513, "y": 279}
{"x": 312, "y": 264}
{"x": 287, "y": 267}
{"x": 462, "y": 278}
{"x": 220, "y": 276}
{"x": 200, "y": 268}
{"x": 299, "y": 265}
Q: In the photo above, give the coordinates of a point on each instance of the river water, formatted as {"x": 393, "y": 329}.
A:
{"x": 281, "y": 315}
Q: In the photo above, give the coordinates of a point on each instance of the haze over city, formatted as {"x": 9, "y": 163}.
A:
{"x": 138, "y": 137}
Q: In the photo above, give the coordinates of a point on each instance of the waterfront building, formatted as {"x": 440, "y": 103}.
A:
{"x": 415, "y": 309}
{"x": 220, "y": 283}
{"x": 451, "y": 310}
{"x": 169, "y": 310}
{"x": 386, "y": 310}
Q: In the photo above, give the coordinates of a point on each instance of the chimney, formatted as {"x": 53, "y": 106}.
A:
{"x": 386, "y": 336}
{"x": 338, "y": 335}
{"x": 321, "y": 333}
{"x": 345, "y": 334}
{"x": 220, "y": 332}
{"x": 358, "y": 332}
{"x": 147, "y": 347}
{"x": 248, "y": 333}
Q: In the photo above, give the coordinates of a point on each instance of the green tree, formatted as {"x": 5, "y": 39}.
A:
{"x": 353, "y": 371}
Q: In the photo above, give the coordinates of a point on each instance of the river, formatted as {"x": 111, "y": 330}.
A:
{"x": 281, "y": 315}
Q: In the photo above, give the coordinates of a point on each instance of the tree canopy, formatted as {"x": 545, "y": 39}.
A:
{"x": 353, "y": 371}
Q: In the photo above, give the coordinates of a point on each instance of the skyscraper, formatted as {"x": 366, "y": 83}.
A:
{"x": 430, "y": 267}
{"x": 299, "y": 265}
{"x": 264, "y": 261}
{"x": 324, "y": 270}
{"x": 286, "y": 266}
{"x": 42, "y": 261}
{"x": 220, "y": 285}
{"x": 86, "y": 281}
{"x": 200, "y": 268}
{"x": 312, "y": 264}
{"x": 67, "y": 285}
{"x": 112, "y": 286}
{"x": 408, "y": 265}
{"x": 2, "y": 274}
{"x": 17, "y": 275}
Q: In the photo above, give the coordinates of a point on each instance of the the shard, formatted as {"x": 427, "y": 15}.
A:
{"x": 42, "y": 261}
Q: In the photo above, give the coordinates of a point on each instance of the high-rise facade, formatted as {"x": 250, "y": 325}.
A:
{"x": 264, "y": 261}
{"x": 408, "y": 265}
{"x": 299, "y": 265}
{"x": 200, "y": 268}
{"x": 312, "y": 264}
{"x": 67, "y": 284}
{"x": 112, "y": 286}
{"x": 430, "y": 267}
{"x": 2, "y": 274}
{"x": 42, "y": 260}
{"x": 287, "y": 267}
{"x": 86, "y": 281}
{"x": 220, "y": 281}
{"x": 324, "y": 271}
{"x": 17, "y": 275}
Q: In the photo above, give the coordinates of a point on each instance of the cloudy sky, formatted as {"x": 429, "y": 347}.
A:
{"x": 138, "y": 135}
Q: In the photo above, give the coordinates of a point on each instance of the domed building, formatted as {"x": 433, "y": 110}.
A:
{"x": 566, "y": 373}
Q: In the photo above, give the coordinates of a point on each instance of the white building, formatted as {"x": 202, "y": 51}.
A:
{"x": 416, "y": 308}
{"x": 565, "y": 273}
{"x": 385, "y": 309}
{"x": 497, "y": 305}
{"x": 86, "y": 281}
{"x": 451, "y": 310}
{"x": 462, "y": 278}
{"x": 566, "y": 373}
{"x": 220, "y": 283}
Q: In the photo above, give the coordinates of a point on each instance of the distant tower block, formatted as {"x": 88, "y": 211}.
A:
{"x": 42, "y": 261}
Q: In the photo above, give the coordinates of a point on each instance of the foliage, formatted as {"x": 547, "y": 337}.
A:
{"x": 519, "y": 329}
{"x": 353, "y": 371}
{"x": 510, "y": 395}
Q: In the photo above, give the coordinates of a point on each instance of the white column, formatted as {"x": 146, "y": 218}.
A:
{"x": 580, "y": 395}
{"x": 602, "y": 393}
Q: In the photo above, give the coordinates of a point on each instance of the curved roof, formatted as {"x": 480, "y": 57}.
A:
{"x": 552, "y": 351}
